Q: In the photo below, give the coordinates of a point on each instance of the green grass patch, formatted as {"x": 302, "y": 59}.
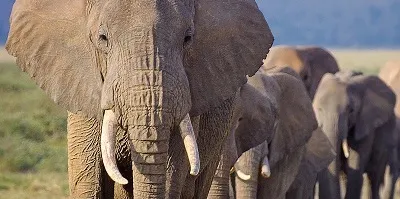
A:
{"x": 40, "y": 185}
{"x": 33, "y": 148}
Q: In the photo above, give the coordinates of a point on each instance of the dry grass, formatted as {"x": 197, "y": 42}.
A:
{"x": 368, "y": 61}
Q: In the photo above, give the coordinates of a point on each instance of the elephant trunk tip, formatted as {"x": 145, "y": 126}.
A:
{"x": 189, "y": 141}
{"x": 108, "y": 134}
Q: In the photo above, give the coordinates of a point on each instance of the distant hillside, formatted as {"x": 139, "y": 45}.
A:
{"x": 339, "y": 23}
{"x": 355, "y": 23}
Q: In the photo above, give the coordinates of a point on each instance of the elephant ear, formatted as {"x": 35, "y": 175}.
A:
{"x": 51, "y": 43}
{"x": 317, "y": 62}
{"x": 255, "y": 112}
{"x": 230, "y": 41}
{"x": 377, "y": 105}
{"x": 296, "y": 119}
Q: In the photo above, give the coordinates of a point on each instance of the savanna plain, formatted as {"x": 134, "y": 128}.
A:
{"x": 33, "y": 147}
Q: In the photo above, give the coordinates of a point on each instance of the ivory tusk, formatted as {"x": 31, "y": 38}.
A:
{"x": 189, "y": 140}
{"x": 232, "y": 170}
{"x": 242, "y": 175}
{"x": 108, "y": 134}
{"x": 265, "y": 168}
{"x": 345, "y": 148}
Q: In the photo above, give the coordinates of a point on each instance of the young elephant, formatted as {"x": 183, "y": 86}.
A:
{"x": 355, "y": 111}
{"x": 282, "y": 153}
{"x": 390, "y": 74}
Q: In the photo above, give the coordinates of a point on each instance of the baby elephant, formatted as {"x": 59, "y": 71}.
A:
{"x": 272, "y": 106}
{"x": 356, "y": 112}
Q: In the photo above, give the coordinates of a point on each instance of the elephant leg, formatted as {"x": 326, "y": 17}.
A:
{"x": 376, "y": 169}
{"x": 354, "y": 184}
{"x": 359, "y": 158}
{"x": 84, "y": 157}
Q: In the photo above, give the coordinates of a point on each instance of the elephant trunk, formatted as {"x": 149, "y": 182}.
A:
{"x": 149, "y": 146}
{"x": 220, "y": 184}
{"x": 149, "y": 104}
{"x": 334, "y": 128}
{"x": 247, "y": 172}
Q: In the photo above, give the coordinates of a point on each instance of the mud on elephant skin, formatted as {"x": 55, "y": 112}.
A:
{"x": 356, "y": 112}
{"x": 143, "y": 67}
{"x": 310, "y": 62}
{"x": 274, "y": 107}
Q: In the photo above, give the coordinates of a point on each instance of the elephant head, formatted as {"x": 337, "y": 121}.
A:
{"x": 310, "y": 62}
{"x": 142, "y": 65}
{"x": 350, "y": 104}
{"x": 274, "y": 107}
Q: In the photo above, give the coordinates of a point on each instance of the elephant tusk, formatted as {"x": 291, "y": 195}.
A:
{"x": 108, "y": 134}
{"x": 345, "y": 148}
{"x": 232, "y": 170}
{"x": 189, "y": 140}
{"x": 265, "y": 168}
{"x": 242, "y": 175}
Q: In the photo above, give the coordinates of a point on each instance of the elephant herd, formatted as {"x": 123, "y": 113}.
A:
{"x": 356, "y": 131}
{"x": 174, "y": 99}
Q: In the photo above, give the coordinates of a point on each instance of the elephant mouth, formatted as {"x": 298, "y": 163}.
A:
{"x": 108, "y": 138}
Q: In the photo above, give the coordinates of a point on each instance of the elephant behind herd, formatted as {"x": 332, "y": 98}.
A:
{"x": 159, "y": 105}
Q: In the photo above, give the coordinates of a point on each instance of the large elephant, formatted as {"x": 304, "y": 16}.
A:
{"x": 355, "y": 111}
{"x": 310, "y": 62}
{"x": 390, "y": 74}
{"x": 276, "y": 105}
{"x": 130, "y": 72}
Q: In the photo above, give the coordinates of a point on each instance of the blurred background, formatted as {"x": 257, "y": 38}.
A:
{"x": 361, "y": 34}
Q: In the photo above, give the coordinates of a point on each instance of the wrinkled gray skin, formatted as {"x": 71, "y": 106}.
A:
{"x": 358, "y": 108}
{"x": 390, "y": 74}
{"x": 310, "y": 62}
{"x": 276, "y": 106}
{"x": 319, "y": 153}
{"x": 150, "y": 63}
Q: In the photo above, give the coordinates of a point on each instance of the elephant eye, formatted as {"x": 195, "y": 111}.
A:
{"x": 103, "y": 40}
{"x": 103, "y": 37}
{"x": 188, "y": 38}
{"x": 305, "y": 77}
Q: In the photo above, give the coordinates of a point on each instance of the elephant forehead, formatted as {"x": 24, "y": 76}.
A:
{"x": 281, "y": 56}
